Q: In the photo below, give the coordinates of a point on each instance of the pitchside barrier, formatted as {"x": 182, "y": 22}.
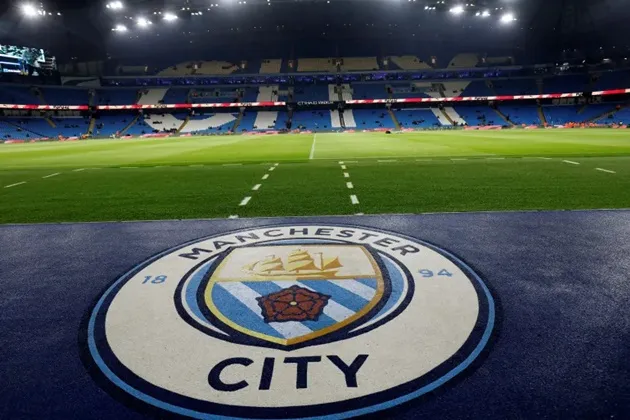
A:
{"x": 349, "y": 102}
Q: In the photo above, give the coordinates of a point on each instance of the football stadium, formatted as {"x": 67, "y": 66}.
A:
{"x": 279, "y": 209}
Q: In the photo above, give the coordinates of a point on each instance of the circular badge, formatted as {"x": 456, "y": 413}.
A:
{"x": 291, "y": 321}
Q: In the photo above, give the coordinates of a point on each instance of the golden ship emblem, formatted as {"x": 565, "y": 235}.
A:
{"x": 300, "y": 264}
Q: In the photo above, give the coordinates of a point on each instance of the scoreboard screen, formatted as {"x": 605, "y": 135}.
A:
{"x": 25, "y": 60}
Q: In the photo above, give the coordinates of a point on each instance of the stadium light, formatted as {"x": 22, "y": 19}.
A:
{"x": 457, "y": 10}
{"x": 169, "y": 17}
{"x": 29, "y": 10}
{"x": 142, "y": 22}
{"x": 485, "y": 13}
{"x": 115, "y": 5}
{"x": 120, "y": 28}
{"x": 507, "y": 18}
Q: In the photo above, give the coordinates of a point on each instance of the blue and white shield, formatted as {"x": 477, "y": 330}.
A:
{"x": 290, "y": 294}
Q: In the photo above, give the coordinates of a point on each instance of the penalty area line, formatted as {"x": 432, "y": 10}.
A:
{"x": 571, "y": 162}
{"x": 15, "y": 185}
{"x": 605, "y": 170}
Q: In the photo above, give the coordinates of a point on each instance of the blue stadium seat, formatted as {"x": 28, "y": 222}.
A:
{"x": 372, "y": 118}
{"x": 417, "y": 118}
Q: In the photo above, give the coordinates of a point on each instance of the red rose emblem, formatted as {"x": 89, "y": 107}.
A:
{"x": 292, "y": 304}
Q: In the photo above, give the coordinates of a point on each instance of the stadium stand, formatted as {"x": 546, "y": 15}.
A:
{"x": 65, "y": 96}
{"x": 312, "y": 120}
{"x": 264, "y": 120}
{"x": 359, "y": 63}
{"x": 478, "y": 115}
{"x": 17, "y": 95}
{"x": 477, "y": 88}
{"x": 271, "y": 66}
{"x": 117, "y": 96}
{"x": 611, "y": 80}
{"x": 176, "y": 96}
{"x": 369, "y": 91}
{"x": 200, "y": 68}
{"x": 368, "y": 119}
{"x": 409, "y": 89}
{"x": 464, "y": 61}
{"x": 408, "y": 62}
{"x": 571, "y": 83}
{"x": 417, "y": 118}
{"x": 316, "y": 65}
{"x": 513, "y": 87}
{"x": 563, "y": 114}
{"x": 521, "y": 114}
{"x": 152, "y": 96}
{"x": 311, "y": 93}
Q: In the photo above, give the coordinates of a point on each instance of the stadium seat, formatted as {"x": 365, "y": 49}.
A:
{"x": 521, "y": 114}
{"x": 417, "y": 118}
{"x": 319, "y": 120}
{"x": 369, "y": 91}
{"x": 368, "y": 119}
{"x": 478, "y": 115}
{"x": 316, "y": 65}
{"x": 271, "y": 66}
{"x": 359, "y": 63}
{"x": 409, "y": 62}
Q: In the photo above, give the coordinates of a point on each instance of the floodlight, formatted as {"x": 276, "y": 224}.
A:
{"x": 169, "y": 17}
{"x": 120, "y": 28}
{"x": 485, "y": 13}
{"x": 507, "y": 18}
{"x": 142, "y": 22}
{"x": 457, "y": 10}
{"x": 115, "y": 5}
{"x": 29, "y": 10}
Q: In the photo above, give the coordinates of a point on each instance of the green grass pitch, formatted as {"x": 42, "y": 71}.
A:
{"x": 206, "y": 177}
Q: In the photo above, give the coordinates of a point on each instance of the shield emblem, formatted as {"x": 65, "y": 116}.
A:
{"x": 291, "y": 294}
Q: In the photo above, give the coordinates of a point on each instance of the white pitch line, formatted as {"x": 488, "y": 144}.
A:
{"x": 256, "y": 187}
{"x": 344, "y": 167}
{"x": 352, "y": 161}
{"x": 497, "y": 158}
{"x": 265, "y": 176}
{"x": 359, "y": 214}
{"x": 13, "y": 185}
{"x": 78, "y": 170}
{"x": 346, "y": 175}
{"x": 349, "y": 185}
{"x": 605, "y": 170}
{"x": 387, "y": 160}
{"x": 272, "y": 168}
{"x": 354, "y": 199}
{"x": 545, "y": 158}
{"x": 341, "y": 162}
{"x": 51, "y": 175}
{"x": 312, "y": 155}
{"x": 460, "y": 159}
{"x": 233, "y": 216}
{"x": 245, "y": 201}
{"x": 571, "y": 162}
{"x": 276, "y": 164}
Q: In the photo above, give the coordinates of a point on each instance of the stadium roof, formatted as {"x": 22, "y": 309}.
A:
{"x": 91, "y": 30}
